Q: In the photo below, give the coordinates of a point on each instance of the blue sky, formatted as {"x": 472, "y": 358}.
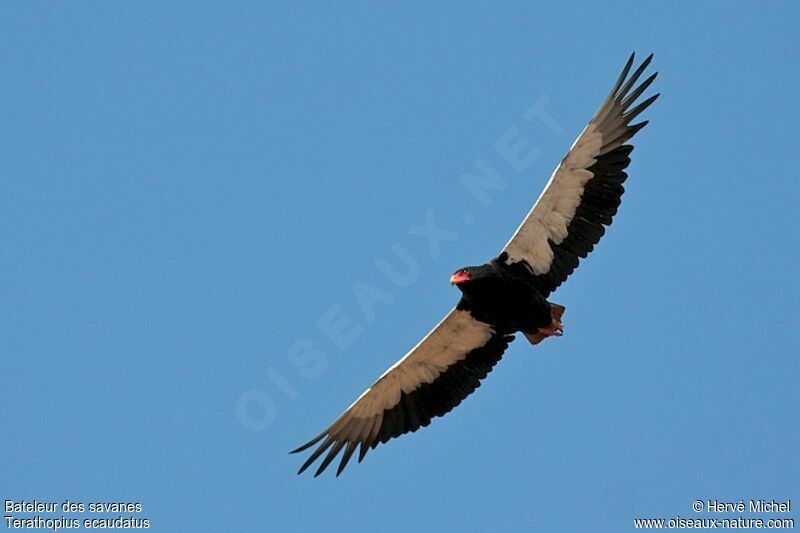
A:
{"x": 189, "y": 190}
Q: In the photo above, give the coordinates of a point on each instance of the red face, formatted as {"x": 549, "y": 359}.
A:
{"x": 460, "y": 277}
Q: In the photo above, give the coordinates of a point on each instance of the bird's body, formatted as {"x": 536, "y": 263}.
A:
{"x": 506, "y": 295}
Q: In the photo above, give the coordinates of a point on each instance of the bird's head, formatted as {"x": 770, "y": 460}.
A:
{"x": 468, "y": 279}
{"x": 461, "y": 276}
{"x": 467, "y": 276}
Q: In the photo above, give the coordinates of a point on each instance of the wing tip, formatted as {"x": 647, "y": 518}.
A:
{"x": 308, "y": 444}
{"x": 623, "y": 75}
{"x": 633, "y": 129}
{"x": 629, "y": 62}
{"x": 315, "y": 455}
{"x": 631, "y": 81}
{"x": 305, "y": 466}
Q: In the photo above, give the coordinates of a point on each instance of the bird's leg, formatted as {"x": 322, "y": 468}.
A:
{"x": 555, "y": 329}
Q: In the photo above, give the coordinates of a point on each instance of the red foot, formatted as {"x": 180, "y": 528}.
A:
{"x": 555, "y": 329}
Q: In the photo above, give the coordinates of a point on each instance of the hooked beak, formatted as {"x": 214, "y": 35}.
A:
{"x": 459, "y": 277}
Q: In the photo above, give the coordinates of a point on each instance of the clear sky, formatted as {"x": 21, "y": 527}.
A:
{"x": 187, "y": 191}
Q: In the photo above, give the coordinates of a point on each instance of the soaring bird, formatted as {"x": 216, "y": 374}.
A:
{"x": 506, "y": 295}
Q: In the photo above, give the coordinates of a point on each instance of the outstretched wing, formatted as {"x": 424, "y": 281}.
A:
{"x": 585, "y": 190}
{"x": 433, "y": 378}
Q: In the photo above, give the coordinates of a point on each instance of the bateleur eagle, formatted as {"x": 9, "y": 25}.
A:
{"x": 506, "y": 295}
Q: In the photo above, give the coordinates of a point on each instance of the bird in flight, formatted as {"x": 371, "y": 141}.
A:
{"x": 506, "y": 295}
